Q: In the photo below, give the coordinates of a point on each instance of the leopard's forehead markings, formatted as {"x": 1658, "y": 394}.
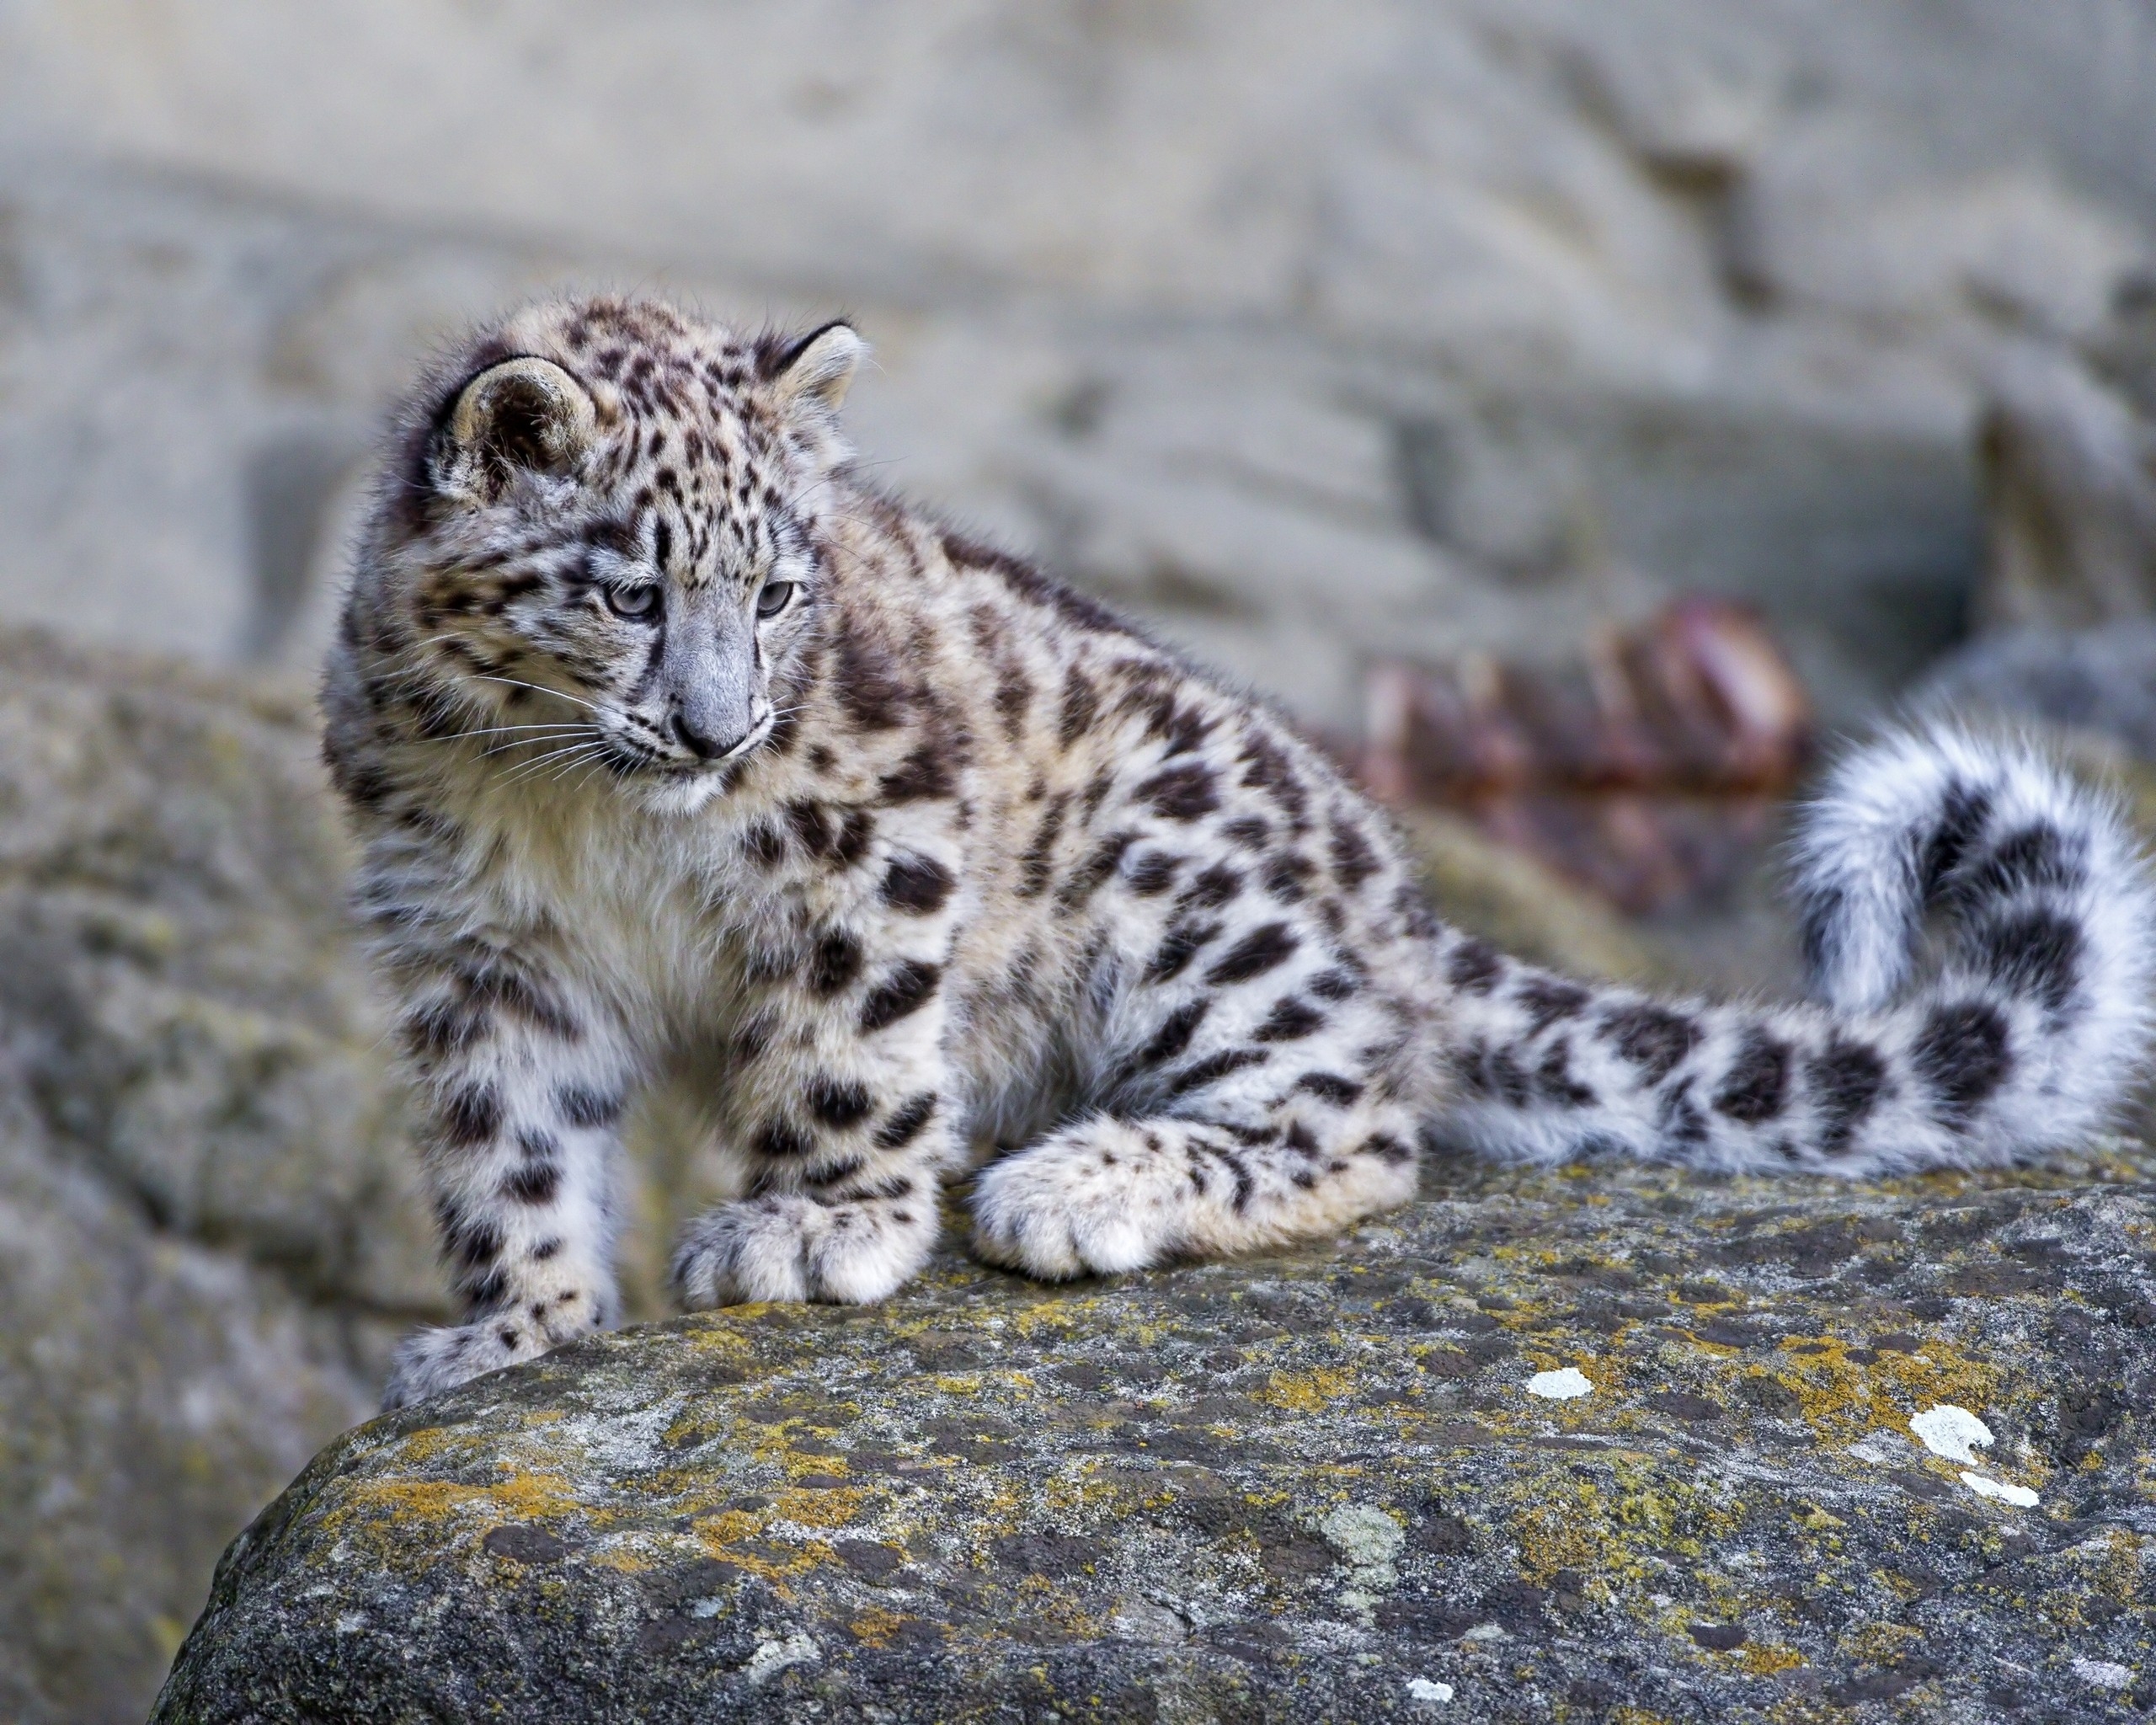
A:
{"x": 692, "y": 457}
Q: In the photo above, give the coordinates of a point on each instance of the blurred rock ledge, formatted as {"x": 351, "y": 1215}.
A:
{"x": 192, "y": 371}
{"x": 1328, "y": 1484}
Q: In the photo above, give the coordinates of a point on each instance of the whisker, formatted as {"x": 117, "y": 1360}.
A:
{"x": 501, "y": 730}
{"x": 540, "y": 689}
{"x": 532, "y": 768}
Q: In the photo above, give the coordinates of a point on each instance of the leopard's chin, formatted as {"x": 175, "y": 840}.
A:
{"x": 675, "y": 793}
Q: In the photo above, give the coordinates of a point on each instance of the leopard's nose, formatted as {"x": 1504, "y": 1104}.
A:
{"x": 699, "y": 743}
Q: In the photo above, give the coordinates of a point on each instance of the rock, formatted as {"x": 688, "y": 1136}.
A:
{"x": 1389, "y": 329}
{"x": 208, "y": 1234}
{"x": 2070, "y": 470}
{"x": 1312, "y": 1485}
{"x": 2101, "y": 680}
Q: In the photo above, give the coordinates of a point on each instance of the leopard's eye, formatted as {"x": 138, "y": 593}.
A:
{"x": 638, "y": 605}
{"x": 775, "y": 598}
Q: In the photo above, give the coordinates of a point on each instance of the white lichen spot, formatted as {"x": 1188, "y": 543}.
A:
{"x": 1949, "y": 1431}
{"x": 1365, "y": 1537}
{"x": 2101, "y": 1673}
{"x": 1558, "y": 1386}
{"x": 1424, "y": 1688}
{"x": 773, "y": 1657}
{"x": 2020, "y": 1497}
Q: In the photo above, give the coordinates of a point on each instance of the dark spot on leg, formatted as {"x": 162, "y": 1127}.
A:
{"x": 1679, "y": 1120}
{"x": 1153, "y": 873}
{"x": 1211, "y": 890}
{"x": 1259, "y": 951}
{"x": 1213, "y": 1068}
{"x": 1329, "y": 1088}
{"x": 1184, "y": 792}
{"x": 783, "y": 1140}
{"x": 537, "y": 1183}
{"x": 1386, "y": 1149}
{"x": 918, "y": 885}
{"x": 1289, "y": 1020}
{"x": 834, "y": 963}
{"x": 909, "y": 986}
{"x": 1177, "y": 947}
{"x": 1173, "y": 1036}
{"x": 836, "y": 1102}
{"x": 471, "y": 1115}
{"x": 906, "y": 1123}
{"x": 1335, "y": 985}
{"x": 579, "y": 1105}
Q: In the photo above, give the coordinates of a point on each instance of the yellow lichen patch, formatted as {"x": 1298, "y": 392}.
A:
{"x": 1061, "y": 1313}
{"x": 438, "y": 1443}
{"x": 1310, "y": 1391}
{"x": 727, "y": 1527}
{"x": 1878, "y": 1643}
{"x": 1842, "y": 1398}
{"x": 875, "y": 1626}
{"x": 829, "y": 1507}
{"x": 1757, "y": 1658}
{"x": 533, "y": 1496}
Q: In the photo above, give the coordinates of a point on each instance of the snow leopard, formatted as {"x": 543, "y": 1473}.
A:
{"x": 669, "y": 739}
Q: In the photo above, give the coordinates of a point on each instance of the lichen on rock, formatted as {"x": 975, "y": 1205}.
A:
{"x": 1311, "y": 1486}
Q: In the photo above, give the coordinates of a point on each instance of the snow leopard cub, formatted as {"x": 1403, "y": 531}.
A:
{"x": 663, "y": 732}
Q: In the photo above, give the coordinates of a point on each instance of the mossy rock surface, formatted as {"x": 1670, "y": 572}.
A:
{"x": 1310, "y": 1487}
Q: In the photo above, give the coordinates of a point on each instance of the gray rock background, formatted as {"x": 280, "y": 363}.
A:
{"x": 1302, "y": 330}
{"x": 1307, "y": 332}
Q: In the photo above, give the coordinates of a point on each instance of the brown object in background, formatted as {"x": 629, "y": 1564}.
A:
{"x": 1648, "y": 769}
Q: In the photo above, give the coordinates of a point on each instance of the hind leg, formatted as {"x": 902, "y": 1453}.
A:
{"x": 1108, "y": 1194}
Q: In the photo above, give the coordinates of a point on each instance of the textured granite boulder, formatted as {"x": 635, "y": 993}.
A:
{"x": 207, "y": 1237}
{"x": 1343, "y": 1483}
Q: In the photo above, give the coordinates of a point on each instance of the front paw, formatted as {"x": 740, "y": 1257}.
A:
{"x": 429, "y": 1361}
{"x": 1076, "y": 1207}
{"x": 787, "y": 1248}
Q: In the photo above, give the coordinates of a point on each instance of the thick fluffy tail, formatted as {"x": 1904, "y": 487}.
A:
{"x": 2020, "y": 894}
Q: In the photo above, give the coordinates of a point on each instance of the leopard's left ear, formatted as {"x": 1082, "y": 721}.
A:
{"x": 817, "y": 367}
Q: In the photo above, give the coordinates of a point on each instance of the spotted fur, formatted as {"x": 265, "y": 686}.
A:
{"x": 670, "y": 740}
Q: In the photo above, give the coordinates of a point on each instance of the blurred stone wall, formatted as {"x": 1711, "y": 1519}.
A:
{"x": 1303, "y": 330}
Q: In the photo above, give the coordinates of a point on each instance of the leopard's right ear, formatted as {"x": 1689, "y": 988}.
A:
{"x": 522, "y": 415}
